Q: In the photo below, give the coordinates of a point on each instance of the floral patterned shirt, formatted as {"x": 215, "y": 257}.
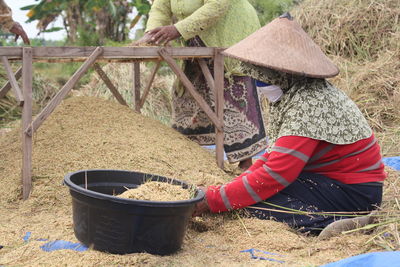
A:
{"x": 311, "y": 108}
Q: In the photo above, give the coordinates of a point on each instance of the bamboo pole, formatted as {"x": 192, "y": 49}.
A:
{"x": 26, "y": 121}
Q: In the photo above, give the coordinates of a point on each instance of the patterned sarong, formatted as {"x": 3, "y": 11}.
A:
{"x": 243, "y": 122}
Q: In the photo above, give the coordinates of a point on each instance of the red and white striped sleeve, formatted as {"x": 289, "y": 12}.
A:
{"x": 266, "y": 177}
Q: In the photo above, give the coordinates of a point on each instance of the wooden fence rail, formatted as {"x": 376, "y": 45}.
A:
{"x": 90, "y": 56}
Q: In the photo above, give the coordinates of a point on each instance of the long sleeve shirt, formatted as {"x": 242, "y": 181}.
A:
{"x": 355, "y": 163}
{"x": 218, "y": 23}
{"x": 6, "y": 21}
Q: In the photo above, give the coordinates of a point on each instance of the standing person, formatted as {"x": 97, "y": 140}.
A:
{"x": 212, "y": 23}
{"x": 8, "y": 24}
{"x": 323, "y": 155}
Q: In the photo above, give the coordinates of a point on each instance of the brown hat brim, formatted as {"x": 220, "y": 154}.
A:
{"x": 284, "y": 46}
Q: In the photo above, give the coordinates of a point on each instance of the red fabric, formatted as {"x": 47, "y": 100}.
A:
{"x": 293, "y": 155}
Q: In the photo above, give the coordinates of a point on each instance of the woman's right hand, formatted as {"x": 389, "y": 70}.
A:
{"x": 145, "y": 40}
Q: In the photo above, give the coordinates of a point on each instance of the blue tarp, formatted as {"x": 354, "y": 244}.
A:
{"x": 57, "y": 244}
{"x": 61, "y": 244}
{"x": 374, "y": 259}
{"x": 253, "y": 254}
{"x": 393, "y": 162}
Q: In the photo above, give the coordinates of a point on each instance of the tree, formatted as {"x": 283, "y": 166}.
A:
{"x": 92, "y": 21}
{"x": 269, "y": 9}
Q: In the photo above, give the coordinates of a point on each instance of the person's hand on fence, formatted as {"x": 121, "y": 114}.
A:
{"x": 19, "y": 31}
{"x": 145, "y": 40}
{"x": 164, "y": 34}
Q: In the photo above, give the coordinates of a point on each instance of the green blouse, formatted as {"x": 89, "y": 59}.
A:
{"x": 219, "y": 23}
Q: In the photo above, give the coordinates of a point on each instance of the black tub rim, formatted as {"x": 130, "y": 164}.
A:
{"x": 89, "y": 193}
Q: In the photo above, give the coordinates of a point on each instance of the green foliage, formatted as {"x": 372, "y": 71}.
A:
{"x": 269, "y": 9}
{"x": 35, "y": 42}
{"x": 87, "y": 37}
{"x": 53, "y": 29}
{"x": 108, "y": 18}
{"x": 142, "y": 6}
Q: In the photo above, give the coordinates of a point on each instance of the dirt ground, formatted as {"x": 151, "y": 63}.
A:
{"x": 90, "y": 133}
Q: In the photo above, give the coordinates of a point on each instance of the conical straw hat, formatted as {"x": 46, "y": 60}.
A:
{"x": 284, "y": 46}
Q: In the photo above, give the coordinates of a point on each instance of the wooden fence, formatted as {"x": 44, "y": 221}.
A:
{"x": 90, "y": 56}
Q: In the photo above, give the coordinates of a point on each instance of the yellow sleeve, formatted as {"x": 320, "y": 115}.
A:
{"x": 160, "y": 14}
{"x": 203, "y": 18}
{"x": 6, "y": 21}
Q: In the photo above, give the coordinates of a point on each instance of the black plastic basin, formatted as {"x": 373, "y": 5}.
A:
{"x": 121, "y": 226}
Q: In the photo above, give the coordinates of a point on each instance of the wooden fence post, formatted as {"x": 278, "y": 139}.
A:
{"x": 109, "y": 84}
{"x": 26, "y": 122}
{"x": 149, "y": 84}
{"x": 219, "y": 105}
{"x": 4, "y": 90}
{"x": 136, "y": 85}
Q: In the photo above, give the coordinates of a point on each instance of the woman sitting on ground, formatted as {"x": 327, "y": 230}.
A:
{"x": 323, "y": 156}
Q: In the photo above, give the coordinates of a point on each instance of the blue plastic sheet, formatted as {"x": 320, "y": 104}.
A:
{"x": 27, "y": 236}
{"x": 393, "y": 162}
{"x": 56, "y": 245}
{"x": 60, "y": 244}
{"x": 374, "y": 259}
{"x": 253, "y": 253}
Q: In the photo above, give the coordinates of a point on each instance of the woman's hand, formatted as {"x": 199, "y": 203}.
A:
{"x": 202, "y": 206}
{"x": 19, "y": 31}
{"x": 164, "y": 34}
{"x": 146, "y": 39}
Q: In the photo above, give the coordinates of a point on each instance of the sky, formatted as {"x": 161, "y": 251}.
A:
{"x": 30, "y": 28}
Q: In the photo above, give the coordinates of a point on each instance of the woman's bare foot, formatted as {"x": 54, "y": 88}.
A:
{"x": 245, "y": 164}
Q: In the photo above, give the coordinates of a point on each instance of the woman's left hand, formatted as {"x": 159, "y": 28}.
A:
{"x": 164, "y": 34}
{"x": 202, "y": 206}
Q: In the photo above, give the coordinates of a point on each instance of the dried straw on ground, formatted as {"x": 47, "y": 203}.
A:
{"x": 87, "y": 132}
{"x": 363, "y": 39}
{"x": 353, "y": 29}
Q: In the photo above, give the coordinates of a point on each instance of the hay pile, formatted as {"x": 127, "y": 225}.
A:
{"x": 158, "y": 103}
{"x": 157, "y": 191}
{"x": 363, "y": 39}
{"x": 87, "y": 132}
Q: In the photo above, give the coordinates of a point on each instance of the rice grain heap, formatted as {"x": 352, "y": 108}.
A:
{"x": 157, "y": 191}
